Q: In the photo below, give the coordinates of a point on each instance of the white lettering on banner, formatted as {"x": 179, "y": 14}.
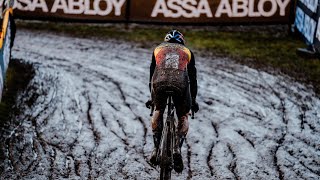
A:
{"x": 240, "y": 8}
{"x": 282, "y": 6}
{"x": 87, "y": 9}
{"x": 73, "y": 6}
{"x": 60, "y": 4}
{"x": 243, "y": 8}
{"x": 252, "y": 13}
{"x": 189, "y": 6}
{"x": 83, "y": 7}
{"x": 181, "y": 8}
{"x": 204, "y": 8}
{"x": 224, "y": 8}
{"x": 118, "y": 5}
{"x": 272, "y": 10}
{"x": 31, "y": 5}
{"x": 76, "y": 7}
{"x": 100, "y": 11}
{"x": 167, "y": 8}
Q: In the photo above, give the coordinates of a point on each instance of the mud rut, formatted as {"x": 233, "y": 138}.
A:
{"x": 89, "y": 120}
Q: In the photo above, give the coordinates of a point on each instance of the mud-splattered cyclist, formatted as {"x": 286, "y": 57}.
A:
{"x": 172, "y": 68}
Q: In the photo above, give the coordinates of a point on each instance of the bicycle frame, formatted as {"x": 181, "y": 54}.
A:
{"x": 165, "y": 153}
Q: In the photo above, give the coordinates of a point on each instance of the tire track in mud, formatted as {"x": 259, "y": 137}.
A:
{"x": 124, "y": 140}
{"x": 137, "y": 117}
{"x": 283, "y": 136}
{"x": 233, "y": 164}
{"x": 95, "y": 135}
{"x": 123, "y": 97}
{"x": 251, "y": 125}
{"x": 209, "y": 157}
{"x": 241, "y": 133}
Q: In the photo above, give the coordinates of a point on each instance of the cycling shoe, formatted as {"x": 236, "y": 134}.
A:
{"x": 178, "y": 163}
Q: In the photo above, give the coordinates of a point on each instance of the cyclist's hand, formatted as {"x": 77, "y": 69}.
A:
{"x": 149, "y": 103}
{"x": 195, "y": 106}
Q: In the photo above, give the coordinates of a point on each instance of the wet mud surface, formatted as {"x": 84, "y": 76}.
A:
{"x": 87, "y": 119}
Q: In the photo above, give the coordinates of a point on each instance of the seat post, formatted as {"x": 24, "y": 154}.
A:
{"x": 169, "y": 95}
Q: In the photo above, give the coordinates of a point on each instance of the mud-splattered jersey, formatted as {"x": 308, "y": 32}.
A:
{"x": 172, "y": 55}
{"x": 170, "y": 67}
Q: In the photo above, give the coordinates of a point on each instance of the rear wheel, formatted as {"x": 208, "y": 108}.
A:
{"x": 166, "y": 154}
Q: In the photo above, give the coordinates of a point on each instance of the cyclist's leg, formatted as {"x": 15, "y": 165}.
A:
{"x": 182, "y": 104}
{"x": 157, "y": 124}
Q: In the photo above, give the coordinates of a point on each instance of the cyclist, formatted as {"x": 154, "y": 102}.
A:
{"x": 172, "y": 69}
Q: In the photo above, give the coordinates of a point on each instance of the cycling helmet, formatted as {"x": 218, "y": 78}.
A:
{"x": 174, "y": 36}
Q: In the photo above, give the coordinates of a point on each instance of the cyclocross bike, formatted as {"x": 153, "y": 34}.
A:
{"x": 165, "y": 151}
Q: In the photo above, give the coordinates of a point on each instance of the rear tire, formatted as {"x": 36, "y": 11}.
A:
{"x": 166, "y": 155}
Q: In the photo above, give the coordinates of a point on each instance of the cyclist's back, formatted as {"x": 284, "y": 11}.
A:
{"x": 171, "y": 68}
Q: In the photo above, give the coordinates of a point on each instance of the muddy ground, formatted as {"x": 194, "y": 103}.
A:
{"x": 83, "y": 117}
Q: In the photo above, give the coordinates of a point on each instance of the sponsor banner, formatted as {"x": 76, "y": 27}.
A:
{"x": 212, "y": 11}
{"x": 85, "y": 10}
{"x": 5, "y": 48}
{"x": 182, "y": 11}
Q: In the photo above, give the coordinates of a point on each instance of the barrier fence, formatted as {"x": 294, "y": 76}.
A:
{"x": 307, "y": 22}
{"x": 5, "y": 40}
{"x": 158, "y": 11}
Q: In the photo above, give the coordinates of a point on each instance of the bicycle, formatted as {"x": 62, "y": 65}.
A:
{"x": 167, "y": 142}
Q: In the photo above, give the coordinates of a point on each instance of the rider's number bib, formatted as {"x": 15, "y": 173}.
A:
{"x": 172, "y": 61}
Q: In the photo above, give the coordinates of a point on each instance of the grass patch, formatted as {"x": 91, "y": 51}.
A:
{"x": 269, "y": 48}
{"x": 18, "y": 76}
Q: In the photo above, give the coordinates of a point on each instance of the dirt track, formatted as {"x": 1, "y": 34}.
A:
{"x": 89, "y": 120}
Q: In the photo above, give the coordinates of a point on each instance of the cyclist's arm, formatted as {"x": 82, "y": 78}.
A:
{"x": 192, "y": 72}
{"x": 152, "y": 67}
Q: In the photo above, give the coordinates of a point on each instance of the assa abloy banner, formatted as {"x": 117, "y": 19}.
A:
{"x": 86, "y": 10}
{"x": 212, "y": 11}
{"x": 307, "y": 21}
{"x": 159, "y": 11}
